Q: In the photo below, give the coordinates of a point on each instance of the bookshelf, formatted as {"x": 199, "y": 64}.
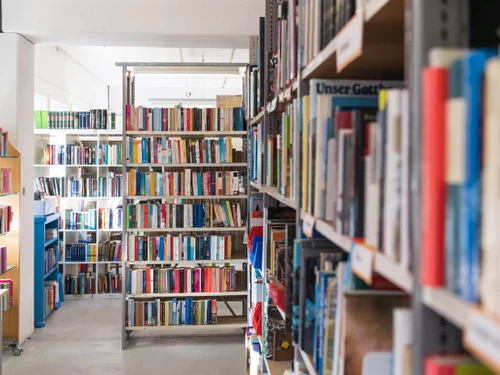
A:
{"x": 10, "y": 239}
{"x": 94, "y": 184}
{"x": 390, "y": 239}
{"x": 206, "y": 147}
{"x": 48, "y": 291}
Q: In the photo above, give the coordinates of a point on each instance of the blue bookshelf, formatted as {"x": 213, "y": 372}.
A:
{"x": 45, "y": 272}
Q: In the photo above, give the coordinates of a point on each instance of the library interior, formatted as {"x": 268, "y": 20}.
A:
{"x": 250, "y": 187}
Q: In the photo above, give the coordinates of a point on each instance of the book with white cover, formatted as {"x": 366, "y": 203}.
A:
{"x": 392, "y": 180}
{"x": 403, "y": 337}
{"x": 490, "y": 237}
{"x": 404, "y": 226}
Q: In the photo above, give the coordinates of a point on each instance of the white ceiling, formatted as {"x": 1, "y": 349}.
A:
{"x": 101, "y": 61}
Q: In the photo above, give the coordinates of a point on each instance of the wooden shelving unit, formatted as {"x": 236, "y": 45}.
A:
{"x": 10, "y": 318}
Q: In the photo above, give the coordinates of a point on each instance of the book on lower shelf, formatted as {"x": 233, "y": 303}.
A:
{"x": 110, "y": 283}
{"x": 81, "y": 283}
{"x": 208, "y": 279}
{"x": 3, "y": 259}
{"x": 94, "y": 219}
{"x": 51, "y": 297}
{"x": 174, "y": 312}
{"x": 6, "y": 215}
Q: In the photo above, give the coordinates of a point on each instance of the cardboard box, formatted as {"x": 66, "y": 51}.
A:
{"x": 45, "y": 207}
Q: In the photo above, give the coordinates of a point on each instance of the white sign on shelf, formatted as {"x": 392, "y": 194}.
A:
{"x": 482, "y": 337}
{"x": 308, "y": 227}
{"x": 362, "y": 260}
{"x": 350, "y": 41}
{"x": 274, "y": 104}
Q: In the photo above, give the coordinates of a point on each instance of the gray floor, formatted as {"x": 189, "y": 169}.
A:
{"x": 84, "y": 337}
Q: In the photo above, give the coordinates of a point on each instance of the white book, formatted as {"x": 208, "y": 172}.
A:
{"x": 324, "y": 111}
{"x": 489, "y": 287}
{"x": 330, "y": 180}
{"x": 131, "y": 248}
{"x": 317, "y": 27}
{"x": 203, "y": 119}
{"x": 340, "y": 180}
{"x": 444, "y": 56}
{"x": 403, "y": 337}
{"x": 367, "y": 224}
{"x": 404, "y": 225}
{"x": 187, "y": 182}
{"x": 374, "y": 190}
{"x": 392, "y": 179}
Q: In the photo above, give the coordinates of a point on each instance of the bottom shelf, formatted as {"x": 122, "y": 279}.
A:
{"x": 96, "y": 296}
{"x": 222, "y": 322}
{"x": 277, "y": 367}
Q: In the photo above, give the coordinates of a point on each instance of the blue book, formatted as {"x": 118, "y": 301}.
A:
{"x": 473, "y": 71}
{"x": 132, "y": 312}
{"x": 150, "y": 314}
{"x": 321, "y": 314}
{"x": 161, "y": 252}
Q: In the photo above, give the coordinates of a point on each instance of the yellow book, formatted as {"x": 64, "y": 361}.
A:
{"x": 184, "y": 154}
{"x": 152, "y": 180}
{"x": 230, "y": 148}
{"x": 230, "y": 213}
{"x": 305, "y": 150}
{"x": 229, "y": 247}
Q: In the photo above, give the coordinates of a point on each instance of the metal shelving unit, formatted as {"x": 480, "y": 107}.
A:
{"x": 223, "y": 322}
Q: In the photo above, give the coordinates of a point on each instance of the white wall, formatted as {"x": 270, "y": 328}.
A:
{"x": 63, "y": 79}
{"x": 16, "y": 116}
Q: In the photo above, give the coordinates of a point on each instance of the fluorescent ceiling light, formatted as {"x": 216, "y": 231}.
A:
{"x": 188, "y": 70}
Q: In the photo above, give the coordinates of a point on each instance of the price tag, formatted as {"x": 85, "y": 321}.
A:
{"x": 482, "y": 337}
{"x": 362, "y": 260}
{"x": 350, "y": 42}
{"x": 308, "y": 227}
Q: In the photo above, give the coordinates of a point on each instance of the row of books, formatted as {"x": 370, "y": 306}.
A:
{"x": 95, "y": 119}
{"x": 171, "y": 313}
{"x": 5, "y": 218}
{"x": 105, "y": 187}
{"x": 357, "y": 175}
{"x": 83, "y": 283}
{"x": 154, "y": 214}
{"x": 109, "y": 283}
{"x": 459, "y": 175}
{"x": 5, "y": 181}
{"x": 251, "y": 93}
{"x": 51, "y": 259}
{"x": 184, "y": 183}
{"x": 4, "y": 140}
{"x": 110, "y": 251}
{"x": 167, "y": 150}
{"x": 51, "y": 296}
{"x": 321, "y": 21}
{"x": 256, "y": 152}
{"x": 181, "y": 280}
{"x": 80, "y": 252}
{"x": 280, "y": 154}
{"x": 93, "y": 219}
{"x": 8, "y": 298}
{"x": 179, "y": 248}
{"x": 179, "y": 118}
{"x": 79, "y": 154}
{"x": 285, "y": 54}
{"x": 3, "y": 259}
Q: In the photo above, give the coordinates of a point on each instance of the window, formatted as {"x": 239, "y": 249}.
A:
{"x": 56, "y": 106}
{"x": 40, "y": 103}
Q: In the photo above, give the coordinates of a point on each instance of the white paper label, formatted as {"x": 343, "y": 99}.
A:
{"x": 273, "y": 104}
{"x": 350, "y": 42}
{"x": 308, "y": 227}
{"x": 288, "y": 93}
{"x": 482, "y": 337}
{"x": 362, "y": 262}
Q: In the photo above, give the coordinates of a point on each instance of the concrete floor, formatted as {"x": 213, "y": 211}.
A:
{"x": 84, "y": 337}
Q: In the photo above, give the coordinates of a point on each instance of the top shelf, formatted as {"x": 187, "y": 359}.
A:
{"x": 86, "y": 132}
{"x": 382, "y": 54}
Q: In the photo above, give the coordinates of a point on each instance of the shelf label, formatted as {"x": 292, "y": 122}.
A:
{"x": 362, "y": 260}
{"x": 309, "y": 223}
{"x": 288, "y": 93}
{"x": 371, "y": 7}
{"x": 350, "y": 42}
{"x": 482, "y": 337}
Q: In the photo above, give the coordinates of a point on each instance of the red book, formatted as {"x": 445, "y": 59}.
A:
{"x": 136, "y": 249}
{"x": 128, "y": 108}
{"x": 453, "y": 364}
{"x": 434, "y": 97}
{"x": 145, "y": 217}
{"x": 177, "y": 281}
{"x": 163, "y": 215}
{"x": 165, "y": 120}
{"x": 148, "y": 280}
